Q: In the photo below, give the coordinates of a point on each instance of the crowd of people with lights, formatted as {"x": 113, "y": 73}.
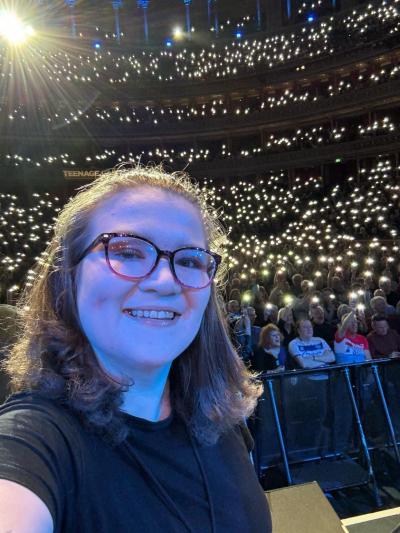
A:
{"x": 317, "y": 255}
{"x": 286, "y": 114}
{"x": 310, "y": 257}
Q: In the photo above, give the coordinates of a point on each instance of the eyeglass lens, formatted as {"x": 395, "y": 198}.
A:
{"x": 134, "y": 257}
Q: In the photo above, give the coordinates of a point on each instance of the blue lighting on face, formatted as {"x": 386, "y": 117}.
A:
{"x": 168, "y": 42}
{"x": 311, "y": 17}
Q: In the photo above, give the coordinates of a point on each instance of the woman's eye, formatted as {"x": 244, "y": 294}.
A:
{"x": 190, "y": 263}
{"x": 129, "y": 253}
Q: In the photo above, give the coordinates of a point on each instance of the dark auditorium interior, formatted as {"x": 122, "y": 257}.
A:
{"x": 287, "y": 113}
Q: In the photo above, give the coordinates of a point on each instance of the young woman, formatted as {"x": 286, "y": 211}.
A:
{"x": 129, "y": 399}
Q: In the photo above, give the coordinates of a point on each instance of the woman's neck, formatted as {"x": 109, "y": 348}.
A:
{"x": 273, "y": 350}
{"x": 149, "y": 397}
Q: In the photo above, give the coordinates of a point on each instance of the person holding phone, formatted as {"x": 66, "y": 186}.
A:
{"x": 129, "y": 399}
{"x": 349, "y": 345}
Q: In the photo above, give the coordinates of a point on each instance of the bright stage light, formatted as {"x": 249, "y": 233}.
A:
{"x": 13, "y": 30}
{"x": 178, "y": 33}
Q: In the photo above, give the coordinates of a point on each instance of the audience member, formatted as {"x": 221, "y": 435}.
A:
{"x": 270, "y": 314}
{"x": 233, "y": 315}
{"x": 301, "y": 305}
{"x": 342, "y": 310}
{"x": 296, "y": 284}
{"x": 259, "y": 303}
{"x": 329, "y": 303}
{"x": 383, "y": 341}
{"x": 309, "y": 351}
{"x": 246, "y": 333}
{"x": 320, "y": 326}
{"x": 392, "y": 296}
{"x": 380, "y": 306}
{"x": 269, "y": 355}
{"x": 279, "y": 290}
{"x": 338, "y": 288}
{"x": 349, "y": 345}
{"x": 235, "y": 295}
{"x": 286, "y": 325}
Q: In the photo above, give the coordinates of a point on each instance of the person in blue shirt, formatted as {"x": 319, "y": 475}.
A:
{"x": 309, "y": 351}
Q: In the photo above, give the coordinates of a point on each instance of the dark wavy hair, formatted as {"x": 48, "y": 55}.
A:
{"x": 211, "y": 389}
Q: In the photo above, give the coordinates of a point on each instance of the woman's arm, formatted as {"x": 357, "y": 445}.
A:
{"x": 22, "y": 511}
{"x": 367, "y": 354}
{"x": 342, "y": 328}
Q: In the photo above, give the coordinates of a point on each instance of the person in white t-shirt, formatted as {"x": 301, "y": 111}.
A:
{"x": 309, "y": 351}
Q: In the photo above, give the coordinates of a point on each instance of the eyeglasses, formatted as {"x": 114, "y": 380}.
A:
{"x": 132, "y": 257}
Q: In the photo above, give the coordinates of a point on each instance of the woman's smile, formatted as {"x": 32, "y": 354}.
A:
{"x": 153, "y": 321}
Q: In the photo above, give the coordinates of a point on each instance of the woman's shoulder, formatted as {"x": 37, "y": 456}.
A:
{"x": 33, "y": 426}
{"x": 258, "y": 350}
{"x": 42, "y": 449}
{"x": 23, "y": 411}
{"x": 30, "y": 400}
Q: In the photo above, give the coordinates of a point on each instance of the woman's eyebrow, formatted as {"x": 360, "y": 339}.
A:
{"x": 149, "y": 238}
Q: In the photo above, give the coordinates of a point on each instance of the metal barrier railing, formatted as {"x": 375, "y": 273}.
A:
{"x": 324, "y": 422}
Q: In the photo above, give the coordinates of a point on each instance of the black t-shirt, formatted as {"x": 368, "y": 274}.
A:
{"x": 287, "y": 337}
{"x": 88, "y": 486}
{"x": 263, "y": 361}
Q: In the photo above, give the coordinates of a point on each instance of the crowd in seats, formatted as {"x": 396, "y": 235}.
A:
{"x": 275, "y": 341}
{"x": 125, "y": 117}
{"x": 309, "y": 226}
{"x": 362, "y": 27}
{"x": 317, "y": 259}
{"x": 299, "y": 139}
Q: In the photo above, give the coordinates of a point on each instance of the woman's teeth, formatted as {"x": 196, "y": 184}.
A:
{"x": 152, "y": 314}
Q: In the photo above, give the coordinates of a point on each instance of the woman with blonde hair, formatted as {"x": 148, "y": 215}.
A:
{"x": 286, "y": 324}
{"x": 128, "y": 397}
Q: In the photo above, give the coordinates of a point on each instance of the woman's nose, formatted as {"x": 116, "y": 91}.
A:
{"x": 162, "y": 278}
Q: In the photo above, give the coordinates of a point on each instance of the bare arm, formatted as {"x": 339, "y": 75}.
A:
{"x": 326, "y": 357}
{"x": 243, "y": 325}
{"x": 307, "y": 361}
{"x": 342, "y": 328}
{"x": 22, "y": 511}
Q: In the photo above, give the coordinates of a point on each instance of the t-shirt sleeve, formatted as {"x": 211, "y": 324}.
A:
{"x": 294, "y": 348}
{"x": 34, "y": 453}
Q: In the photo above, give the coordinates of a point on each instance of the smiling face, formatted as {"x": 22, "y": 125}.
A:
{"x": 121, "y": 342}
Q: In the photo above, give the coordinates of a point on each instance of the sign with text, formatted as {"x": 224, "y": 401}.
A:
{"x": 81, "y": 174}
